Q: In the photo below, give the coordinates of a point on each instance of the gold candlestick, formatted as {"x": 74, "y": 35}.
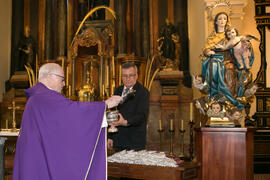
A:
{"x": 191, "y": 112}
{"x": 182, "y": 132}
{"x": 171, "y": 130}
{"x": 14, "y": 108}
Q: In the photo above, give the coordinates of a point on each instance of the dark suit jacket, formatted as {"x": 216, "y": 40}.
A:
{"x": 135, "y": 111}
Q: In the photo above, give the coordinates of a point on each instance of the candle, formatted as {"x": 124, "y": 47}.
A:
{"x": 69, "y": 91}
{"x": 113, "y": 70}
{"x": 63, "y": 62}
{"x": 6, "y": 124}
{"x": 160, "y": 125}
{"x": 120, "y": 74}
{"x": 103, "y": 91}
{"x": 171, "y": 125}
{"x": 191, "y": 111}
{"x": 108, "y": 77}
{"x": 182, "y": 125}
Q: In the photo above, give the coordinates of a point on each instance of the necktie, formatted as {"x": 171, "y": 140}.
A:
{"x": 125, "y": 92}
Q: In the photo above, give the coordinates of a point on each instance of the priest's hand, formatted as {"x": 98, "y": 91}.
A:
{"x": 110, "y": 144}
{"x": 120, "y": 122}
{"x": 113, "y": 101}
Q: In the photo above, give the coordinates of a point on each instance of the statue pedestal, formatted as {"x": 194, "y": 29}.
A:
{"x": 225, "y": 151}
{"x": 169, "y": 103}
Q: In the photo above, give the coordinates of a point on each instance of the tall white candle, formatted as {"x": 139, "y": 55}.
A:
{"x": 171, "y": 125}
{"x": 182, "y": 125}
{"x": 160, "y": 125}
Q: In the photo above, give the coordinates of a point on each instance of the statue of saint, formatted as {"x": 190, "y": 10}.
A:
{"x": 27, "y": 51}
{"x": 169, "y": 46}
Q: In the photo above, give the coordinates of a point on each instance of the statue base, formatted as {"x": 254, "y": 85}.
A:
{"x": 220, "y": 122}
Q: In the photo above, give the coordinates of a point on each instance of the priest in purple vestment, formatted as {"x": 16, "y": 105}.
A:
{"x": 61, "y": 139}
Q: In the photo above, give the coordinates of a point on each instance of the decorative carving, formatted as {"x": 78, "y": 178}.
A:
{"x": 260, "y": 105}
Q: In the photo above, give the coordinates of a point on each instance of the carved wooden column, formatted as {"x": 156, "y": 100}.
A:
{"x": 41, "y": 29}
{"x": 263, "y": 94}
{"x": 62, "y": 27}
{"x": 48, "y": 51}
{"x": 137, "y": 27}
{"x": 153, "y": 11}
{"x": 169, "y": 103}
{"x": 145, "y": 28}
{"x": 121, "y": 26}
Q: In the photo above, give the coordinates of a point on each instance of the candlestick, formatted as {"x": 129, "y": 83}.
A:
{"x": 182, "y": 125}
{"x": 191, "y": 112}
{"x": 182, "y": 132}
{"x": 160, "y": 124}
{"x": 171, "y": 125}
{"x": 171, "y": 130}
{"x": 160, "y": 131}
{"x": 191, "y": 123}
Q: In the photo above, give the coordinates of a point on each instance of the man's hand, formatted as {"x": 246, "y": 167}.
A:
{"x": 120, "y": 122}
{"x": 113, "y": 101}
{"x": 110, "y": 144}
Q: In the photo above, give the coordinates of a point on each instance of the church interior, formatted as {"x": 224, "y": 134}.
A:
{"x": 166, "y": 39}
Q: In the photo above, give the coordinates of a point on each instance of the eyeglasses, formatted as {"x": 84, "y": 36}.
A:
{"x": 63, "y": 78}
{"x": 128, "y": 75}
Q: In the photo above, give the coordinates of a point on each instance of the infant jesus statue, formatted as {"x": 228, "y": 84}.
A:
{"x": 240, "y": 44}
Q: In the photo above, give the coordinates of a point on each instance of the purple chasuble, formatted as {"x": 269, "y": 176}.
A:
{"x": 60, "y": 139}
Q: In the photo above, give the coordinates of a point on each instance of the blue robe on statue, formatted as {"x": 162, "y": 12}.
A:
{"x": 215, "y": 78}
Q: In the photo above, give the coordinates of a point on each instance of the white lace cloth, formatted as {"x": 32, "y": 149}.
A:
{"x": 143, "y": 157}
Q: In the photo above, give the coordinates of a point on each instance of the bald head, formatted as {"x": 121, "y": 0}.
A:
{"x": 52, "y": 76}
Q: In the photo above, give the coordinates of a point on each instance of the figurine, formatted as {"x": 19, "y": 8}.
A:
{"x": 241, "y": 46}
{"x": 236, "y": 115}
{"x": 215, "y": 111}
{"x": 27, "y": 51}
{"x": 199, "y": 82}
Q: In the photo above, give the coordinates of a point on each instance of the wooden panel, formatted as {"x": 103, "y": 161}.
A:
{"x": 185, "y": 171}
{"x": 225, "y": 151}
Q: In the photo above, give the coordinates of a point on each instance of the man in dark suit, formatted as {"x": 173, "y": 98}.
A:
{"x": 133, "y": 113}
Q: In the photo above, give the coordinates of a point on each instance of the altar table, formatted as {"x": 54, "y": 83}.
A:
{"x": 186, "y": 171}
{"x": 3, "y": 138}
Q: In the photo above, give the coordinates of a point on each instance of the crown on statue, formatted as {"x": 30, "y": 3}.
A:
{"x": 217, "y": 7}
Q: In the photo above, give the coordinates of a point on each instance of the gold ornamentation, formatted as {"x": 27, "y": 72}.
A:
{"x": 267, "y": 104}
{"x": 31, "y": 75}
{"x": 219, "y": 6}
{"x": 260, "y": 105}
{"x": 87, "y": 92}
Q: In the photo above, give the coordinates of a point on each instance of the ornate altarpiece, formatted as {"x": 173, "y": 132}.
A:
{"x": 92, "y": 51}
{"x": 262, "y": 16}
